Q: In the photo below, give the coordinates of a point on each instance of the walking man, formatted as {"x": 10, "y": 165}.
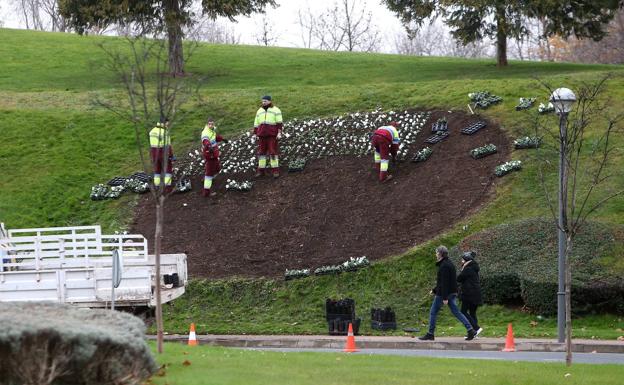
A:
{"x": 445, "y": 293}
{"x": 268, "y": 129}
{"x": 470, "y": 289}
{"x": 160, "y": 148}
{"x": 210, "y": 151}
{"x": 385, "y": 142}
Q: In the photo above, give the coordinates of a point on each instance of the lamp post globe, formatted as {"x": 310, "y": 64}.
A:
{"x": 563, "y": 99}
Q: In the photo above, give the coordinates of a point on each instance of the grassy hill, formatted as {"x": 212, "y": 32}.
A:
{"x": 56, "y": 145}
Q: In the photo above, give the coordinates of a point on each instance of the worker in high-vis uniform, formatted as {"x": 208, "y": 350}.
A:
{"x": 268, "y": 129}
{"x": 160, "y": 144}
{"x": 385, "y": 142}
{"x": 210, "y": 150}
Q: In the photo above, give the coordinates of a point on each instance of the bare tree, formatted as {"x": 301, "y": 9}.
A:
{"x": 425, "y": 41}
{"x": 346, "y": 25}
{"x": 212, "y": 31}
{"x": 152, "y": 94}
{"x": 265, "y": 34}
{"x": 584, "y": 168}
{"x": 40, "y": 15}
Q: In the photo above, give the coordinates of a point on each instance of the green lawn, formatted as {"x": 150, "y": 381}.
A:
{"x": 209, "y": 365}
{"x": 56, "y": 145}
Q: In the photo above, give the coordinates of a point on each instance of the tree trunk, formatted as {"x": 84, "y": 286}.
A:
{"x": 174, "y": 36}
{"x": 568, "y": 300}
{"x": 160, "y": 201}
{"x": 501, "y": 38}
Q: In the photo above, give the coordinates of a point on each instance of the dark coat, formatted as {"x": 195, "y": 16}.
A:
{"x": 446, "y": 282}
{"x": 470, "y": 285}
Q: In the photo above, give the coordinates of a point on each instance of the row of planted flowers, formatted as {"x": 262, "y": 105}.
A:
{"x": 352, "y": 264}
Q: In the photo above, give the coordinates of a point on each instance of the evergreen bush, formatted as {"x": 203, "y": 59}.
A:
{"x": 53, "y": 344}
{"x": 519, "y": 264}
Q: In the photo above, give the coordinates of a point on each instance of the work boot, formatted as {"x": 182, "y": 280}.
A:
{"x": 386, "y": 178}
{"x": 427, "y": 337}
{"x": 207, "y": 193}
{"x": 259, "y": 173}
{"x": 276, "y": 173}
{"x": 168, "y": 189}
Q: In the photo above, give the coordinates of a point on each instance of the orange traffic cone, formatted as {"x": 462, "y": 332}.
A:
{"x": 510, "y": 345}
{"x": 350, "y": 346}
{"x": 192, "y": 341}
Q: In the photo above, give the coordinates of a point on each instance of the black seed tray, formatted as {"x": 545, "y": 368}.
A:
{"x": 439, "y": 126}
{"x": 473, "y": 128}
{"x": 143, "y": 177}
{"x": 340, "y": 327}
{"x": 436, "y": 138}
{"x": 117, "y": 181}
{"x": 378, "y": 325}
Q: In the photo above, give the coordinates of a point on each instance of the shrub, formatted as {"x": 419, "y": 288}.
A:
{"x": 56, "y": 344}
{"x": 519, "y": 262}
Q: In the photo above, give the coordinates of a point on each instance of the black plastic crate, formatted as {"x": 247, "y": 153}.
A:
{"x": 378, "y": 325}
{"x": 441, "y": 135}
{"x": 143, "y": 177}
{"x": 340, "y": 327}
{"x": 474, "y": 127}
{"x": 117, "y": 181}
{"x": 343, "y": 309}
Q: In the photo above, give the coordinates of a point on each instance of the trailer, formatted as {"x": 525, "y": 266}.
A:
{"x": 74, "y": 265}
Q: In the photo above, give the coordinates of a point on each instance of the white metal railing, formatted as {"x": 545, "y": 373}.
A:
{"x": 68, "y": 249}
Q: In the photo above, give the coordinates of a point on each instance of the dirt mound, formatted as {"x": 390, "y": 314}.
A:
{"x": 333, "y": 210}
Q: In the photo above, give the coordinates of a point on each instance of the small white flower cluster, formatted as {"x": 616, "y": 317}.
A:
{"x": 234, "y": 185}
{"x": 295, "y": 274}
{"x": 483, "y": 99}
{"x": 136, "y": 186}
{"x": 544, "y": 109}
{"x": 296, "y": 164}
{"x": 527, "y": 142}
{"x": 483, "y": 151}
{"x": 355, "y": 263}
{"x": 525, "y": 104}
{"x": 422, "y": 155}
{"x": 101, "y": 191}
{"x": 330, "y": 269}
{"x": 508, "y": 167}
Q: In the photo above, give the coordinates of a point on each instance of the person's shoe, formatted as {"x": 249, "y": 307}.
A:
{"x": 275, "y": 174}
{"x": 387, "y": 178}
{"x": 471, "y": 335}
{"x": 479, "y": 330}
{"x": 427, "y": 337}
{"x": 259, "y": 173}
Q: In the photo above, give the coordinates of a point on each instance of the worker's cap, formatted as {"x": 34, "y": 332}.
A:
{"x": 267, "y": 97}
{"x": 469, "y": 255}
{"x": 210, "y": 120}
{"x": 394, "y": 124}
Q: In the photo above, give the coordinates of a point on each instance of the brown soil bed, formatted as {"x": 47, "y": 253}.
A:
{"x": 333, "y": 210}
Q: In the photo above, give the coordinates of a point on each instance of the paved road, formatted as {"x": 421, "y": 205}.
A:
{"x": 587, "y": 358}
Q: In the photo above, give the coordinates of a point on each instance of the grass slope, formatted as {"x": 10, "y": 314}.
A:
{"x": 209, "y": 365}
{"x": 56, "y": 146}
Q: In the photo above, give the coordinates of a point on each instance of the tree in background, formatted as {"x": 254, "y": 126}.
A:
{"x": 343, "y": 26}
{"x": 473, "y": 20}
{"x": 42, "y": 15}
{"x": 435, "y": 40}
{"x": 266, "y": 34}
{"x": 155, "y": 17}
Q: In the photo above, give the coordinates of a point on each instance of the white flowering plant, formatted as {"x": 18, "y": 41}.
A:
{"x": 545, "y": 108}
{"x": 483, "y": 151}
{"x": 297, "y": 164}
{"x": 527, "y": 142}
{"x": 101, "y": 192}
{"x": 484, "y": 99}
{"x": 507, "y": 167}
{"x": 235, "y": 185}
{"x": 525, "y": 104}
{"x": 355, "y": 263}
{"x": 422, "y": 155}
{"x": 296, "y": 274}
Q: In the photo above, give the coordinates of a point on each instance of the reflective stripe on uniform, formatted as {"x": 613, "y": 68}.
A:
{"x": 393, "y": 133}
{"x": 271, "y": 116}
{"x": 384, "y": 165}
{"x": 377, "y": 157}
{"x": 274, "y": 161}
{"x": 262, "y": 161}
{"x": 207, "y": 182}
{"x": 210, "y": 134}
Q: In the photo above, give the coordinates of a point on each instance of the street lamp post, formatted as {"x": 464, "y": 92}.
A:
{"x": 562, "y": 99}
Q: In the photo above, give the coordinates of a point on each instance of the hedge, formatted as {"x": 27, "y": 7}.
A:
{"x": 52, "y": 344}
{"x": 519, "y": 265}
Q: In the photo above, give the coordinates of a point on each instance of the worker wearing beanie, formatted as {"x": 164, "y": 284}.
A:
{"x": 268, "y": 128}
{"x": 210, "y": 151}
{"x": 385, "y": 142}
{"x": 160, "y": 144}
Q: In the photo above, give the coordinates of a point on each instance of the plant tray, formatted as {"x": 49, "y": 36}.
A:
{"x": 378, "y": 325}
{"x": 143, "y": 177}
{"x": 483, "y": 155}
{"x": 117, "y": 181}
{"x": 439, "y": 126}
{"x": 340, "y": 327}
{"x": 471, "y": 129}
{"x": 295, "y": 169}
{"x": 437, "y": 138}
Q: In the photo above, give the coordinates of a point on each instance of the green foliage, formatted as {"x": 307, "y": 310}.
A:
{"x": 71, "y": 345}
{"x": 519, "y": 264}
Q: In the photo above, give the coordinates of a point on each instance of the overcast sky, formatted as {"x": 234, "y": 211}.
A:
{"x": 285, "y": 15}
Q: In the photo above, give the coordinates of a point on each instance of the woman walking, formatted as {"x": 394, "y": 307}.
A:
{"x": 470, "y": 289}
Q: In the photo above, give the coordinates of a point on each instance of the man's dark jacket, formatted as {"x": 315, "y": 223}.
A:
{"x": 446, "y": 283}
